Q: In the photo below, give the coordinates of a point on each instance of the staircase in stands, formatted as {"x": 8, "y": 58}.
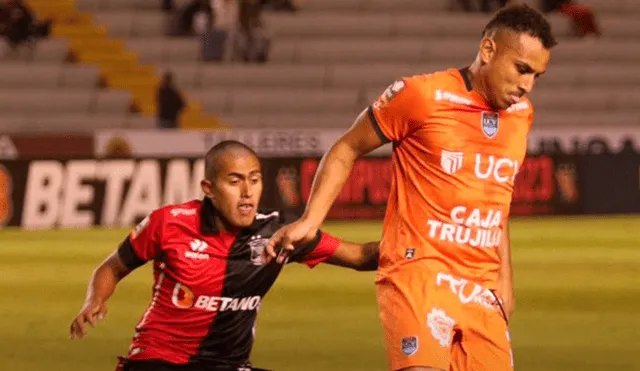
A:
{"x": 119, "y": 67}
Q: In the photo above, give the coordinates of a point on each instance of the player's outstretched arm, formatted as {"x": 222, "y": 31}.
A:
{"x": 361, "y": 257}
{"x": 332, "y": 174}
{"x": 101, "y": 286}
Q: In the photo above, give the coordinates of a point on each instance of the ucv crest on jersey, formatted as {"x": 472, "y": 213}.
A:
{"x": 489, "y": 124}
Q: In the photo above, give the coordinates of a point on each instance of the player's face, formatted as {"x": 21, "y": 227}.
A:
{"x": 517, "y": 61}
{"x": 237, "y": 188}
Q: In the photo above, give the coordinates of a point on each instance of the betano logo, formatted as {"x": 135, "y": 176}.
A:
{"x": 184, "y": 298}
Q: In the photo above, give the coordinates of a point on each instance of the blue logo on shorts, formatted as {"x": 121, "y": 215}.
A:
{"x": 409, "y": 345}
{"x": 489, "y": 124}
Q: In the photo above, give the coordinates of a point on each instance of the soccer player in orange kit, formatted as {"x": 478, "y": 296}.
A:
{"x": 444, "y": 282}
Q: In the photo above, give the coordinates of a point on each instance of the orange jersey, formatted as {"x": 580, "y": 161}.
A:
{"x": 454, "y": 162}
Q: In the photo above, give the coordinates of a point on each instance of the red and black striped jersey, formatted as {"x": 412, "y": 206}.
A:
{"x": 208, "y": 284}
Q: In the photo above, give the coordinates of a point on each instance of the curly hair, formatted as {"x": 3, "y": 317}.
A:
{"x": 522, "y": 19}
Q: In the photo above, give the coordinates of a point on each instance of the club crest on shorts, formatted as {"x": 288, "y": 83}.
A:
{"x": 409, "y": 345}
{"x": 490, "y": 124}
{"x": 441, "y": 326}
{"x": 257, "y": 245}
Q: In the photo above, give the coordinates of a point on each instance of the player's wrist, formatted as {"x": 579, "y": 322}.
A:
{"x": 312, "y": 223}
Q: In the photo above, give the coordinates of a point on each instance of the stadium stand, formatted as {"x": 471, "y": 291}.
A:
{"x": 327, "y": 62}
{"x": 105, "y": 85}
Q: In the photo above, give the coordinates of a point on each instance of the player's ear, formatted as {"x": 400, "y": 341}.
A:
{"x": 488, "y": 49}
{"x": 207, "y": 187}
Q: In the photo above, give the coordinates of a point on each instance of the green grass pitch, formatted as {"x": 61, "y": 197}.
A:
{"x": 578, "y": 302}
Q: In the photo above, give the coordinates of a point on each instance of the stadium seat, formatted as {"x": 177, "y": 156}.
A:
{"x": 317, "y": 25}
{"x": 376, "y": 5}
{"x": 301, "y": 76}
{"x": 112, "y": 101}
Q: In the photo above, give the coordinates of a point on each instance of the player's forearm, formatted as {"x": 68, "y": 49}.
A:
{"x": 371, "y": 256}
{"x": 104, "y": 279}
{"x": 331, "y": 176}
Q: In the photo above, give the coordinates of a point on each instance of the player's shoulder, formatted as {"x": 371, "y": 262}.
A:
{"x": 427, "y": 83}
{"x": 270, "y": 220}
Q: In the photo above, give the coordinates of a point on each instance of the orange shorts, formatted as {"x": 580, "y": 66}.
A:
{"x": 433, "y": 319}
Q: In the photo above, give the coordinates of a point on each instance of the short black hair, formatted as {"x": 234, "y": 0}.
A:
{"x": 213, "y": 156}
{"x": 523, "y": 19}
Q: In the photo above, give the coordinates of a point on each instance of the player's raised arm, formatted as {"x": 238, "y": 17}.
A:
{"x": 389, "y": 118}
{"x": 137, "y": 248}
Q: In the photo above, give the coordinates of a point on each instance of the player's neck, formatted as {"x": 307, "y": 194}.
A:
{"x": 224, "y": 226}
{"x": 477, "y": 80}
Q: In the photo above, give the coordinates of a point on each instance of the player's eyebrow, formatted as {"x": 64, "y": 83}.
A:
{"x": 242, "y": 176}
{"x": 529, "y": 69}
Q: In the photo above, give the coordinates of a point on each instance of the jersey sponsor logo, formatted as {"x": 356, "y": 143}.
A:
{"x": 475, "y": 227}
{"x": 198, "y": 247}
{"x": 500, "y": 169}
{"x": 183, "y": 298}
{"x": 520, "y": 106}
{"x": 391, "y": 92}
{"x": 466, "y": 291}
{"x": 490, "y": 124}
{"x": 442, "y": 95}
{"x": 441, "y": 326}
{"x": 257, "y": 245}
{"x": 451, "y": 162}
{"x": 181, "y": 211}
{"x": 140, "y": 227}
{"x": 409, "y": 345}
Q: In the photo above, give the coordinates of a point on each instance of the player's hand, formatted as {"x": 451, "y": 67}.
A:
{"x": 298, "y": 232}
{"x": 91, "y": 313}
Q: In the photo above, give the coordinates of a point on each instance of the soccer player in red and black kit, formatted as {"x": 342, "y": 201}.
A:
{"x": 210, "y": 271}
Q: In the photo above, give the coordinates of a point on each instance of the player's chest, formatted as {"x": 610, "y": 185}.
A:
{"x": 208, "y": 264}
{"x": 483, "y": 144}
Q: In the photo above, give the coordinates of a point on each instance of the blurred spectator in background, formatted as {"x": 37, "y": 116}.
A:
{"x": 167, "y": 5}
{"x": 279, "y": 5}
{"x": 217, "y": 40}
{"x": 169, "y": 103}
{"x": 18, "y": 25}
{"x": 196, "y": 17}
{"x": 252, "y": 43}
{"x": 238, "y": 33}
{"x": 486, "y": 6}
{"x": 583, "y": 17}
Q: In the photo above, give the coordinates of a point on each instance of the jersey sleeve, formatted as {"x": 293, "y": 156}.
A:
{"x": 313, "y": 253}
{"x": 396, "y": 112}
{"x": 317, "y": 251}
{"x": 143, "y": 243}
